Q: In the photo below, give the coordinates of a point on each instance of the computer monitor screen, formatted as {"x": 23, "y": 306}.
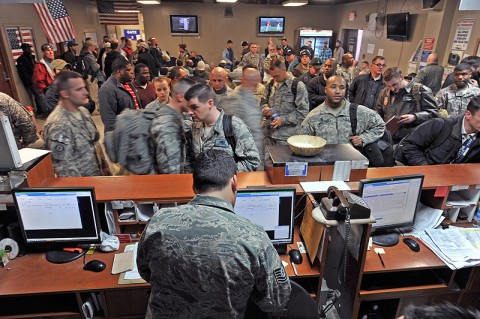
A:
{"x": 184, "y": 25}
{"x": 268, "y": 26}
{"x": 398, "y": 26}
{"x": 271, "y": 208}
{"x": 56, "y": 217}
{"x": 393, "y": 200}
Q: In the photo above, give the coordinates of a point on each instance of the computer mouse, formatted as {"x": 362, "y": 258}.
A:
{"x": 295, "y": 256}
{"x": 412, "y": 244}
{"x": 95, "y": 265}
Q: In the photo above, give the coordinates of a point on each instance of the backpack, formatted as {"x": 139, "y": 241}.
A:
{"x": 448, "y": 124}
{"x": 130, "y": 143}
{"x": 293, "y": 89}
{"x": 229, "y": 135}
{"x": 379, "y": 153}
{"x": 80, "y": 67}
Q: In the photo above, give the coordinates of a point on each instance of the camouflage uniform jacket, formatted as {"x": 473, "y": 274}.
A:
{"x": 203, "y": 261}
{"x": 246, "y": 152}
{"x": 455, "y": 100}
{"x": 253, "y": 59}
{"x": 291, "y": 109}
{"x": 72, "y": 143}
{"x": 337, "y": 128}
{"x": 348, "y": 74}
{"x": 169, "y": 140}
{"x": 222, "y": 94}
{"x": 23, "y": 127}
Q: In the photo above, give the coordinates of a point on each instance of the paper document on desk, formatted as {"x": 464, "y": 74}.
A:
{"x": 425, "y": 218}
{"x": 454, "y": 199}
{"x": 133, "y": 274}
{"x": 322, "y": 187}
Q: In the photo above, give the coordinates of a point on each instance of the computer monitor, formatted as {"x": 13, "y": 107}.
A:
{"x": 52, "y": 219}
{"x": 393, "y": 202}
{"x": 271, "y": 208}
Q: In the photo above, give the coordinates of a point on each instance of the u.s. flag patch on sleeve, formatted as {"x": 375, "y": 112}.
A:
{"x": 280, "y": 275}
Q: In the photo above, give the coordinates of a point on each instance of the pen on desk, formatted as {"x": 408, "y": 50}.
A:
{"x": 293, "y": 267}
{"x": 381, "y": 259}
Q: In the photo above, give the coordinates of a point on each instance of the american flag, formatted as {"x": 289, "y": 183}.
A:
{"x": 17, "y": 36}
{"x": 117, "y": 12}
{"x": 55, "y": 21}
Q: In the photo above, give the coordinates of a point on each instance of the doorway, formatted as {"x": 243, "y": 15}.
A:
{"x": 352, "y": 40}
{"x": 7, "y": 84}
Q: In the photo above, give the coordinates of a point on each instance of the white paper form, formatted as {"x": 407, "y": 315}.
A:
{"x": 425, "y": 218}
{"x": 322, "y": 187}
{"x": 454, "y": 244}
{"x": 472, "y": 235}
{"x": 28, "y": 154}
{"x": 454, "y": 199}
{"x": 132, "y": 274}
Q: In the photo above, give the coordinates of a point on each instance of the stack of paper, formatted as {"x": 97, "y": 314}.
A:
{"x": 458, "y": 248}
{"x": 425, "y": 218}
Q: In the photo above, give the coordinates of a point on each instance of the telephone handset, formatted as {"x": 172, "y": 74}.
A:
{"x": 339, "y": 203}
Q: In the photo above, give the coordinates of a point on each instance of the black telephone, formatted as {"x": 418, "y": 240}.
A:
{"x": 338, "y": 204}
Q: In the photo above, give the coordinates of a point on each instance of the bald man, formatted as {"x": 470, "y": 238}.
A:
{"x": 244, "y": 102}
{"x": 431, "y": 75}
{"x": 218, "y": 82}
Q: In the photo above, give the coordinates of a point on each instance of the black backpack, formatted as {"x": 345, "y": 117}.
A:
{"x": 293, "y": 89}
{"x": 448, "y": 124}
{"x": 379, "y": 153}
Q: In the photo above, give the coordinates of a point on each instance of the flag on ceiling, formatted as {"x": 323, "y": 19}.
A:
{"x": 55, "y": 21}
{"x": 117, "y": 11}
{"x": 17, "y": 36}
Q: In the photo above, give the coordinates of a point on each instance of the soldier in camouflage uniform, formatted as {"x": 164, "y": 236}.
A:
{"x": 455, "y": 97}
{"x": 244, "y": 104}
{"x": 253, "y": 58}
{"x": 202, "y": 260}
{"x": 207, "y": 131}
{"x": 283, "y": 110}
{"x": 167, "y": 131}
{"x": 346, "y": 69}
{"x": 331, "y": 119}
{"x": 22, "y": 123}
{"x": 70, "y": 132}
{"x": 218, "y": 82}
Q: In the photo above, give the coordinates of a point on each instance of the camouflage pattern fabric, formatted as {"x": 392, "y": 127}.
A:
{"x": 72, "y": 142}
{"x": 219, "y": 97}
{"x": 246, "y": 151}
{"x": 455, "y": 100}
{"x": 348, "y": 74}
{"x": 253, "y": 59}
{"x": 291, "y": 109}
{"x": 337, "y": 128}
{"x": 23, "y": 127}
{"x": 203, "y": 261}
{"x": 169, "y": 141}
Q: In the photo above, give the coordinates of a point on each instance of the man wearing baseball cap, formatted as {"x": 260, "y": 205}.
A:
{"x": 70, "y": 55}
{"x": 43, "y": 75}
{"x": 304, "y": 66}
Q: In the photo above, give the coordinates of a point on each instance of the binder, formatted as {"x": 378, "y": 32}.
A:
{"x": 11, "y": 157}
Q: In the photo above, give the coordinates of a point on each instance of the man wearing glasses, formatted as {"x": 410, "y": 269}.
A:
{"x": 365, "y": 88}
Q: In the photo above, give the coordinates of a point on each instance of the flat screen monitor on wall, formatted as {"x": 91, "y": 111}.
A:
{"x": 398, "y": 26}
{"x": 184, "y": 25}
{"x": 268, "y": 26}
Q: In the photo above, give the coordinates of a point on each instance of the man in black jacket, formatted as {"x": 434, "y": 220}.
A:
{"x": 112, "y": 56}
{"x": 146, "y": 58}
{"x": 424, "y": 146}
{"x": 365, "y": 88}
{"x": 316, "y": 86}
{"x": 25, "y": 65}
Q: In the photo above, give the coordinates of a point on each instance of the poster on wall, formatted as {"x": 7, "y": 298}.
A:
{"x": 423, "y": 59}
{"x": 462, "y": 34}
{"x": 428, "y": 43}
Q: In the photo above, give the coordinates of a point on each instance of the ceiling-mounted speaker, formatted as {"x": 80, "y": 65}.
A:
{"x": 228, "y": 12}
{"x": 428, "y": 4}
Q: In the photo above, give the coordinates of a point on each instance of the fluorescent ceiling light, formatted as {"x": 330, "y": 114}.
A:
{"x": 294, "y": 3}
{"x": 227, "y": 1}
{"x": 128, "y": 11}
{"x": 149, "y": 1}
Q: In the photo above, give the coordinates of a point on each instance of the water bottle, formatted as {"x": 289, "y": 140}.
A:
{"x": 476, "y": 219}
{"x": 274, "y": 115}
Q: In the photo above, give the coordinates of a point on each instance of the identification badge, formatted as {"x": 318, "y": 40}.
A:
{"x": 385, "y": 101}
{"x": 221, "y": 143}
{"x": 296, "y": 169}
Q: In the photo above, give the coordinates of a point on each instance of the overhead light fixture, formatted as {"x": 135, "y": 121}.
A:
{"x": 294, "y": 3}
{"x": 227, "y": 1}
{"x": 127, "y": 11}
{"x": 149, "y": 1}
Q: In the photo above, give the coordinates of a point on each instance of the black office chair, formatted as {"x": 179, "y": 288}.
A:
{"x": 299, "y": 306}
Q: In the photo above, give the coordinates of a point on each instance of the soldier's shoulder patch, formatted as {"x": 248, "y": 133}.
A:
{"x": 280, "y": 275}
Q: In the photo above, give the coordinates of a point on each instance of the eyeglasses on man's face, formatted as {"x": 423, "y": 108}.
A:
{"x": 380, "y": 65}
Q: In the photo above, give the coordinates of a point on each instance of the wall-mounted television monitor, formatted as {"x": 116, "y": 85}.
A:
{"x": 271, "y": 208}
{"x": 393, "y": 202}
{"x": 398, "y": 26}
{"x": 268, "y": 26}
{"x": 184, "y": 25}
{"x": 52, "y": 219}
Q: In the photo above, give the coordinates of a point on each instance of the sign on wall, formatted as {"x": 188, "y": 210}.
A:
{"x": 132, "y": 34}
{"x": 462, "y": 34}
{"x": 428, "y": 43}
